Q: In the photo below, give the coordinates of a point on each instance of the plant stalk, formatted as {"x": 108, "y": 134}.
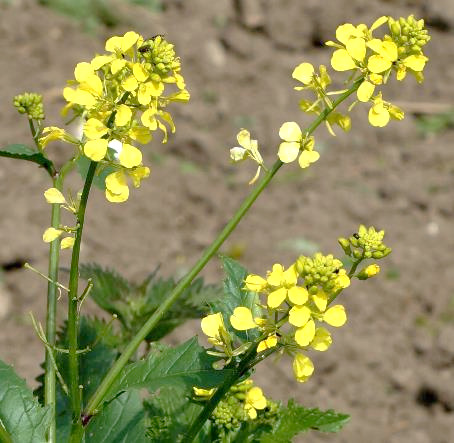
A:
{"x": 73, "y": 320}
{"x": 115, "y": 370}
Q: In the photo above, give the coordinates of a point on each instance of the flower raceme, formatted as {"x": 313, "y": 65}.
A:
{"x": 121, "y": 96}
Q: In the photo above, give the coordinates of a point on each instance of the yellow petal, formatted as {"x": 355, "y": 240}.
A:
{"x": 335, "y": 316}
{"x": 322, "y": 340}
{"x": 129, "y": 84}
{"x": 268, "y": 343}
{"x": 375, "y": 44}
{"x": 255, "y": 283}
{"x": 290, "y": 132}
{"x": 275, "y": 277}
{"x": 148, "y": 119}
{"x": 378, "y": 116}
{"x": 117, "y": 65}
{"x": 303, "y": 73}
{"x": 308, "y": 157}
{"x": 343, "y": 280}
{"x": 377, "y": 23}
{"x": 389, "y": 51}
{"x": 94, "y": 129}
{"x": 130, "y": 156}
{"x": 372, "y": 270}
{"x": 81, "y": 97}
{"x": 53, "y": 195}
{"x": 100, "y": 60}
{"x": 211, "y": 324}
{"x": 415, "y": 62}
{"x": 67, "y": 242}
{"x": 128, "y": 40}
{"x": 200, "y": 392}
{"x": 303, "y": 367}
{"x": 255, "y": 398}
{"x": 365, "y": 91}
{"x": 244, "y": 139}
{"x": 116, "y": 182}
{"x": 123, "y": 115}
{"x": 356, "y": 48}
{"x": 298, "y": 295}
{"x": 320, "y": 299}
{"x": 345, "y": 31}
{"x": 305, "y": 334}
{"x": 144, "y": 94}
{"x": 242, "y": 319}
{"x": 378, "y": 63}
{"x": 113, "y": 44}
{"x": 342, "y": 61}
{"x": 276, "y": 298}
{"x": 96, "y": 149}
{"x": 117, "y": 198}
{"x": 93, "y": 84}
{"x": 156, "y": 88}
{"x": 299, "y": 315}
{"x": 288, "y": 151}
{"x": 140, "y": 73}
{"x": 138, "y": 174}
{"x": 82, "y": 71}
{"x": 50, "y": 234}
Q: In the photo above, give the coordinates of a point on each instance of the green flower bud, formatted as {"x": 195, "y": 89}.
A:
{"x": 377, "y": 255}
{"x": 30, "y": 104}
{"x": 345, "y": 245}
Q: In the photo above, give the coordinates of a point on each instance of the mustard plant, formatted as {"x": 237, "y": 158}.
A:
{"x": 93, "y": 369}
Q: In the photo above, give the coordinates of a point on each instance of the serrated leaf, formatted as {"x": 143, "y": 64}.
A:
{"x": 185, "y": 366}
{"x": 295, "y": 419}
{"x": 23, "y": 152}
{"x": 121, "y": 421}
{"x": 235, "y": 295}
{"x": 25, "y": 420}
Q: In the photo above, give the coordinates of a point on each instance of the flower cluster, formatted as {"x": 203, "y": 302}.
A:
{"x": 295, "y": 303}
{"x": 375, "y": 59}
{"x": 121, "y": 97}
{"x": 30, "y": 104}
{"x": 241, "y": 403}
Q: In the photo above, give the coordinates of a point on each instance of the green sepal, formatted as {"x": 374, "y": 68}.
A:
{"x": 21, "y": 415}
{"x": 23, "y": 152}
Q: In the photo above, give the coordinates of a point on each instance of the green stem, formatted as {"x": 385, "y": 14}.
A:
{"x": 51, "y": 318}
{"x": 73, "y": 301}
{"x": 115, "y": 370}
{"x": 5, "y": 437}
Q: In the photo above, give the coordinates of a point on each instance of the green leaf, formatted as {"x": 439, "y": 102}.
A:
{"x": 23, "y": 152}
{"x": 295, "y": 419}
{"x": 235, "y": 295}
{"x": 23, "y": 418}
{"x": 171, "y": 413}
{"x": 185, "y": 366}
{"x": 121, "y": 421}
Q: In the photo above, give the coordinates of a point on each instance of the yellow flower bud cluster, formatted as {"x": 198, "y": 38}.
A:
{"x": 31, "y": 104}
{"x": 122, "y": 96}
{"x": 373, "y": 59}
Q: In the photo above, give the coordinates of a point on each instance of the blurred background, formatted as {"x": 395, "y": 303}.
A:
{"x": 392, "y": 367}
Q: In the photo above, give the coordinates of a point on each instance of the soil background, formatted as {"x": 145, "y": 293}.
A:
{"x": 392, "y": 367}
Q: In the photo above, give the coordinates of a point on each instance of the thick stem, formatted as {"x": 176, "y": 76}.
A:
{"x": 73, "y": 301}
{"x": 115, "y": 370}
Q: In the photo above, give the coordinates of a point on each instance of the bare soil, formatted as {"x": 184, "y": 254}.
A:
{"x": 392, "y": 366}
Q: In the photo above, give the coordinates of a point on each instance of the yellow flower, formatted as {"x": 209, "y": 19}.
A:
{"x": 289, "y": 149}
{"x": 254, "y": 400}
{"x": 268, "y": 343}
{"x": 123, "y": 115}
{"x": 365, "y": 91}
{"x": 121, "y": 45}
{"x": 335, "y": 316}
{"x": 303, "y": 367}
{"x": 379, "y": 114}
{"x": 255, "y": 283}
{"x": 305, "y": 334}
{"x": 372, "y": 270}
{"x": 51, "y": 234}
{"x": 53, "y": 133}
{"x": 95, "y": 129}
{"x": 53, "y": 195}
{"x": 285, "y": 282}
{"x": 386, "y": 55}
{"x": 117, "y": 190}
{"x": 130, "y": 156}
{"x": 140, "y": 134}
{"x": 200, "y": 392}
{"x": 322, "y": 340}
{"x": 248, "y": 148}
{"x": 242, "y": 319}
{"x": 320, "y": 300}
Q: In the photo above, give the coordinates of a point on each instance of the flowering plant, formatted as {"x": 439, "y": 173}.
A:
{"x": 93, "y": 369}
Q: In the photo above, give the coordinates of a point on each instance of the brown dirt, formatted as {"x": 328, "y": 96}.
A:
{"x": 391, "y": 368}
